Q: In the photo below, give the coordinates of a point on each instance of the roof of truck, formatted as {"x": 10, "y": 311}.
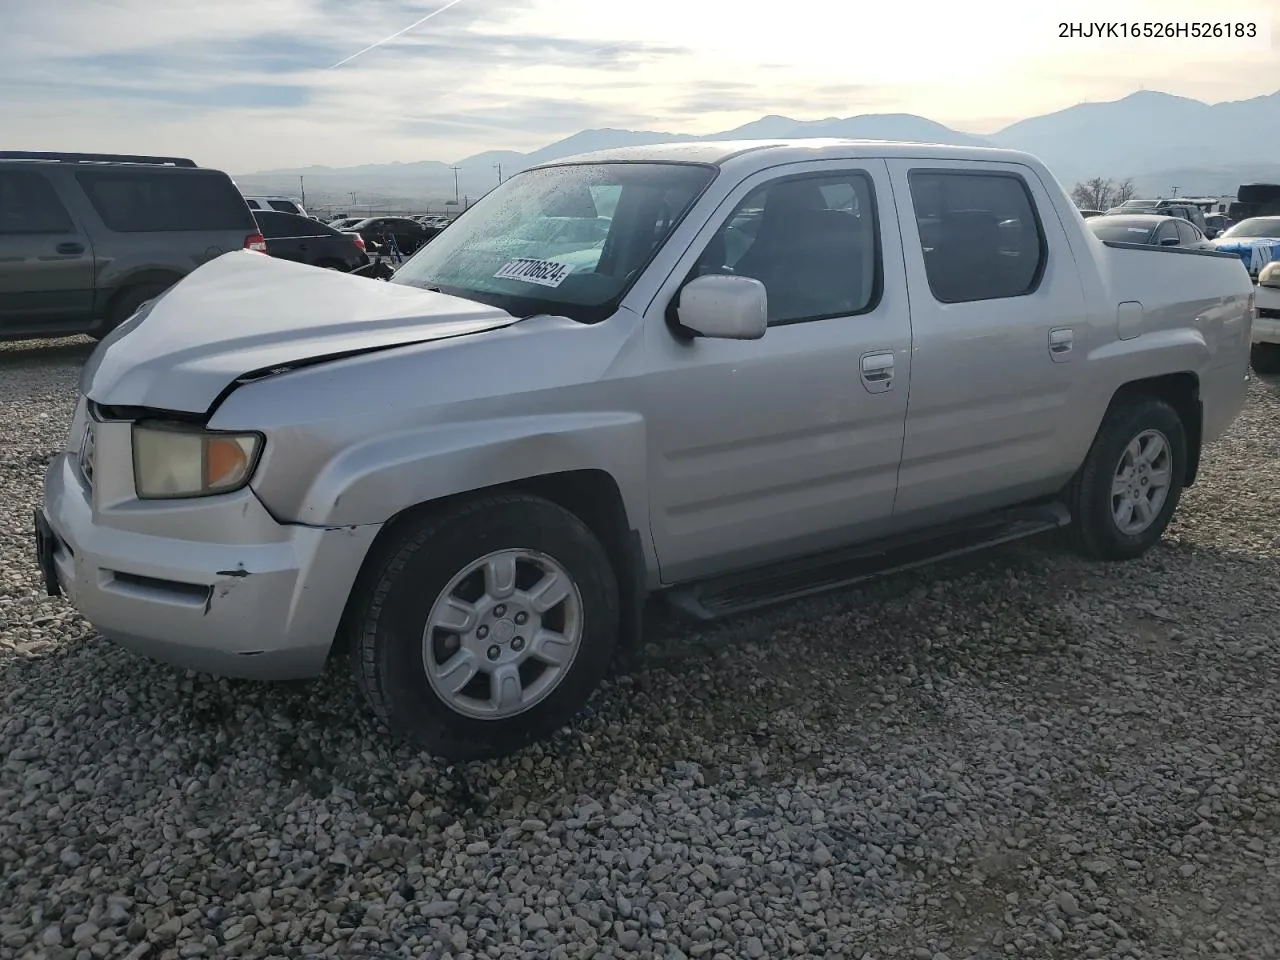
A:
{"x": 768, "y": 153}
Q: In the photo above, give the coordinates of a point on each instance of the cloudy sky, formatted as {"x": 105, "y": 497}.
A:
{"x": 255, "y": 84}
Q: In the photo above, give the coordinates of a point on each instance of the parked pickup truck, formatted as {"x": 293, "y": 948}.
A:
{"x": 790, "y": 366}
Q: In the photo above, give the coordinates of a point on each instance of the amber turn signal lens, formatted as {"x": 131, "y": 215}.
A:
{"x": 224, "y": 462}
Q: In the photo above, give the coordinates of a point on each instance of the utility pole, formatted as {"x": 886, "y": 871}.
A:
{"x": 455, "y": 170}
{"x": 303, "y": 184}
{"x": 1175, "y": 193}
{"x": 498, "y": 167}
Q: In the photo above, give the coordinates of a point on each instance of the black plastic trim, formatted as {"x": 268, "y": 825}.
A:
{"x": 1187, "y": 251}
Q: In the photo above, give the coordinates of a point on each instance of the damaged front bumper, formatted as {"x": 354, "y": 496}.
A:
{"x": 225, "y": 589}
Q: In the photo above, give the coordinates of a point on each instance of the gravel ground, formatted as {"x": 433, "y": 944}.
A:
{"x": 1020, "y": 754}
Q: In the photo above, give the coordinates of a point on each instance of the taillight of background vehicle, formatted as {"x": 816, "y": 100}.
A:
{"x": 256, "y": 241}
{"x": 358, "y": 241}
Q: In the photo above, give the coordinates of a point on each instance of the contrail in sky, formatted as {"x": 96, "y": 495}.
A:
{"x": 436, "y": 12}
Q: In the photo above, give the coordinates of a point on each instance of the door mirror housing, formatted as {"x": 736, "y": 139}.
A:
{"x": 724, "y": 307}
{"x": 1210, "y": 233}
{"x": 1169, "y": 242}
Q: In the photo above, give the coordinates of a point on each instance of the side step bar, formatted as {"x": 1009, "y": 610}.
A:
{"x": 806, "y": 576}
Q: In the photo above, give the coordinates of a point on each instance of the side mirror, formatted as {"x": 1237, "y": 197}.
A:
{"x": 1210, "y": 233}
{"x": 1169, "y": 242}
{"x": 724, "y": 307}
{"x": 1270, "y": 275}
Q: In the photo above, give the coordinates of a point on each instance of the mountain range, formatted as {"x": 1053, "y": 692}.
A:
{"x": 1159, "y": 140}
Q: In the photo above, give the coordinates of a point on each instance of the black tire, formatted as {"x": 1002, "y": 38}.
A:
{"x": 411, "y": 569}
{"x": 1265, "y": 358}
{"x": 1094, "y": 527}
{"x": 126, "y": 302}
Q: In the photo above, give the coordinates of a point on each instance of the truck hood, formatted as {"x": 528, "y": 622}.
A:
{"x": 245, "y": 314}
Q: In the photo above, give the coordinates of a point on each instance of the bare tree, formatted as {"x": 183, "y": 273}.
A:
{"x": 1100, "y": 193}
{"x": 1093, "y": 194}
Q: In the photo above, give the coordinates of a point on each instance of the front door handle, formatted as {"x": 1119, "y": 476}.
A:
{"x": 69, "y": 248}
{"x": 1061, "y": 340}
{"x": 877, "y": 371}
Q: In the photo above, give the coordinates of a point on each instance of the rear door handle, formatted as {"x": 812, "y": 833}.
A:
{"x": 1061, "y": 340}
{"x": 70, "y": 248}
{"x": 877, "y": 371}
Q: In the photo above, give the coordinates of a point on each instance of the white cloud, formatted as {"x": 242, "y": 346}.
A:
{"x": 180, "y": 77}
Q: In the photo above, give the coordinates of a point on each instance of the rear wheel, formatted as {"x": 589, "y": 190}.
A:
{"x": 1265, "y": 358}
{"x": 126, "y": 303}
{"x": 486, "y": 627}
{"x": 1125, "y": 494}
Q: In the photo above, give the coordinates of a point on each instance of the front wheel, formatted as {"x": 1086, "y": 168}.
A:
{"x": 1125, "y": 494}
{"x": 486, "y": 627}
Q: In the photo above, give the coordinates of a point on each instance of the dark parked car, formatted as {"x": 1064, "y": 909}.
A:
{"x": 1216, "y": 223}
{"x": 409, "y": 234}
{"x": 87, "y": 238}
{"x": 304, "y": 240}
{"x": 1151, "y": 229}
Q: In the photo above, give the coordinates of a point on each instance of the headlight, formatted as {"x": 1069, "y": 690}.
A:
{"x": 1270, "y": 275}
{"x": 176, "y": 460}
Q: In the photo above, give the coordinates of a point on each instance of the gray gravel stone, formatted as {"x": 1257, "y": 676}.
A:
{"x": 1018, "y": 754}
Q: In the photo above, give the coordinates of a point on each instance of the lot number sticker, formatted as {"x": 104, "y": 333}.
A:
{"x": 545, "y": 273}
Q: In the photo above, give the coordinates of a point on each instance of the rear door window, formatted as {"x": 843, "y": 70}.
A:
{"x": 145, "y": 201}
{"x": 29, "y": 205}
{"x": 980, "y": 234}
{"x": 1188, "y": 235}
{"x": 274, "y": 226}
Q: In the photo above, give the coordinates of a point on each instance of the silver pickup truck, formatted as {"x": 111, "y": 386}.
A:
{"x": 767, "y": 369}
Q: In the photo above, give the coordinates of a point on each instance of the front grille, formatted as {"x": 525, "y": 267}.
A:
{"x": 87, "y": 450}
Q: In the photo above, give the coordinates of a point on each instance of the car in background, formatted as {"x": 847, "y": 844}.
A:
{"x": 87, "y": 238}
{"x": 282, "y": 204}
{"x": 1216, "y": 223}
{"x": 304, "y": 240}
{"x": 345, "y": 223}
{"x": 1175, "y": 207}
{"x": 1148, "y": 228}
{"x": 1133, "y": 206}
{"x": 1255, "y": 241}
{"x": 1264, "y": 354}
{"x": 409, "y": 234}
{"x": 1185, "y": 210}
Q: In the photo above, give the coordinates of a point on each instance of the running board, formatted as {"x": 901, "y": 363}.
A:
{"x": 820, "y": 573}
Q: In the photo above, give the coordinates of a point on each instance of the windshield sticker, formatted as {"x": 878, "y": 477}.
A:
{"x": 545, "y": 273}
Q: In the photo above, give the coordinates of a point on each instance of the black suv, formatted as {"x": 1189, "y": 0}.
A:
{"x": 85, "y": 238}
